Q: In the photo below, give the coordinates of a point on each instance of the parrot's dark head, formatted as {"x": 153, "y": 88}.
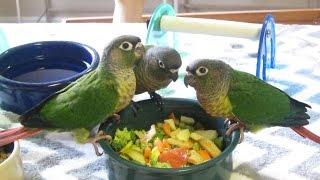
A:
{"x": 207, "y": 75}
{"x": 164, "y": 62}
{"x": 125, "y": 50}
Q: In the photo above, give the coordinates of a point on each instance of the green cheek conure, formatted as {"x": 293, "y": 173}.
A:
{"x": 89, "y": 100}
{"x": 245, "y": 100}
{"x": 157, "y": 69}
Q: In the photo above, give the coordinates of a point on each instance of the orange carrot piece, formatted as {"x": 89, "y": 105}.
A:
{"x": 166, "y": 144}
{"x": 159, "y": 144}
{"x": 166, "y": 128}
{"x": 204, "y": 154}
{"x": 147, "y": 152}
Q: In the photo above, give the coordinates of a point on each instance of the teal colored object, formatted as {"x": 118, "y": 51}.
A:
{"x": 3, "y": 42}
{"x": 155, "y": 35}
{"x": 148, "y": 114}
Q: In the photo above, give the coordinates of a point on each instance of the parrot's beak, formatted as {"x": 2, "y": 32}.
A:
{"x": 174, "y": 74}
{"x": 187, "y": 79}
{"x": 139, "y": 51}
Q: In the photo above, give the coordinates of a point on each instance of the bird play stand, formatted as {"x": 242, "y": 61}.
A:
{"x": 163, "y": 21}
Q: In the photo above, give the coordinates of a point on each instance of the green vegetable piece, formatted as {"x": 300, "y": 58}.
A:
{"x": 136, "y": 156}
{"x": 187, "y": 120}
{"x": 136, "y": 148}
{"x": 126, "y": 147}
{"x": 141, "y": 134}
{"x": 208, "y": 134}
{"x": 218, "y": 142}
{"x": 122, "y": 138}
{"x": 159, "y": 125}
{"x": 171, "y": 123}
{"x": 155, "y": 153}
{"x": 124, "y": 157}
{"x": 183, "y": 135}
{"x": 162, "y": 165}
{"x": 196, "y": 136}
{"x": 182, "y": 125}
{"x": 196, "y": 146}
{"x": 159, "y": 135}
{"x": 191, "y": 128}
{"x": 182, "y": 144}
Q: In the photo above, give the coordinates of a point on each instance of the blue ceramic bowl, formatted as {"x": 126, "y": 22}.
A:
{"x": 30, "y": 73}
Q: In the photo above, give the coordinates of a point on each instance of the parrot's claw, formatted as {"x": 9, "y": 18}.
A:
{"x": 157, "y": 98}
{"x": 135, "y": 108}
{"x": 235, "y": 124}
{"x": 100, "y": 135}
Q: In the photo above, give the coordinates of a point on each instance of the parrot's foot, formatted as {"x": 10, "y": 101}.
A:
{"x": 100, "y": 135}
{"x": 135, "y": 108}
{"x": 235, "y": 124}
{"x": 157, "y": 98}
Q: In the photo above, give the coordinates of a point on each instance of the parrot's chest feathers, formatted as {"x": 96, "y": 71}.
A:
{"x": 126, "y": 88}
{"x": 215, "y": 105}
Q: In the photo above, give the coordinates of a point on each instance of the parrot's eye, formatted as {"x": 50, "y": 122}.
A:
{"x": 201, "y": 71}
{"x": 126, "y": 46}
{"x": 161, "y": 64}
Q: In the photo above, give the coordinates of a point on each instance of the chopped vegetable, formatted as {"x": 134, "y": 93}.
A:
{"x": 154, "y": 156}
{"x": 126, "y": 147}
{"x": 187, "y": 120}
{"x": 196, "y": 146}
{"x": 209, "y": 134}
{"x": 195, "y": 158}
{"x": 195, "y": 136}
{"x": 166, "y": 128}
{"x": 141, "y": 134}
{"x": 136, "y": 156}
{"x": 171, "y": 123}
{"x": 173, "y": 143}
{"x": 183, "y": 135}
{"x": 208, "y": 145}
{"x": 159, "y": 144}
{"x": 162, "y": 165}
{"x": 122, "y": 138}
{"x": 179, "y": 143}
{"x": 204, "y": 154}
{"x": 173, "y": 134}
{"x": 176, "y": 157}
{"x": 218, "y": 141}
{"x": 147, "y": 152}
{"x": 166, "y": 144}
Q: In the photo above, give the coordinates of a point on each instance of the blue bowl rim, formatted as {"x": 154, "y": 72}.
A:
{"x": 234, "y": 139}
{"x": 50, "y": 84}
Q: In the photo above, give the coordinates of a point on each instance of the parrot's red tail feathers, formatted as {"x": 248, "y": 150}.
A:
{"x": 11, "y": 135}
{"x": 302, "y": 131}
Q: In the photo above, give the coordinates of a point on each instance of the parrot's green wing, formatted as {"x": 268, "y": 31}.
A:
{"x": 80, "y": 105}
{"x": 31, "y": 118}
{"x": 259, "y": 104}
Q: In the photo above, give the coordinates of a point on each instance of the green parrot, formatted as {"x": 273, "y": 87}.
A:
{"x": 157, "y": 69}
{"x": 244, "y": 100}
{"x": 89, "y": 100}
